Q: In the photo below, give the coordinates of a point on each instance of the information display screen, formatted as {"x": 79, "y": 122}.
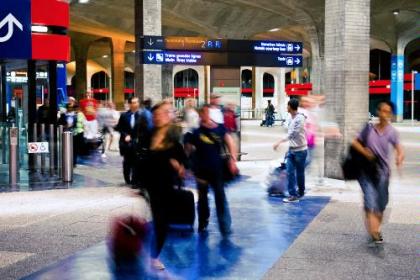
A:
{"x": 220, "y": 45}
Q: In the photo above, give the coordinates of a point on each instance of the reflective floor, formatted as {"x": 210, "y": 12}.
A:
{"x": 263, "y": 228}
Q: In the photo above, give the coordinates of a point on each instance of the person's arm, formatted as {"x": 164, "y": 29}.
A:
{"x": 399, "y": 155}
{"x": 366, "y": 152}
{"x": 230, "y": 143}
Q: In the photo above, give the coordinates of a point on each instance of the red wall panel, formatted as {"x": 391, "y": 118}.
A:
{"x": 50, "y": 13}
{"x": 50, "y": 47}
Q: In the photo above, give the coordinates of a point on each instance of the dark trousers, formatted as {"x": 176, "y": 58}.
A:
{"x": 78, "y": 142}
{"x": 129, "y": 167}
{"x": 296, "y": 171}
{"x": 158, "y": 205}
{"x": 215, "y": 180}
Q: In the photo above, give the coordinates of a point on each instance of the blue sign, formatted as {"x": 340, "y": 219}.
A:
{"x": 278, "y": 47}
{"x": 164, "y": 57}
{"x": 397, "y": 83}
{"x": 220, "y": 59}
{"x": 417, "y": 81}
{"x": 15, "y": 29}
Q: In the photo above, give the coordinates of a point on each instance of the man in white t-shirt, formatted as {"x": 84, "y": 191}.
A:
{"x": 215, "y": 111}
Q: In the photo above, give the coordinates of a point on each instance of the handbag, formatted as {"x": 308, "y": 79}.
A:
{"x": 354, "y": 162}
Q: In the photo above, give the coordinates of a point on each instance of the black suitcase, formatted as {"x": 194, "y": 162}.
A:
{"x": 182, "y": 208}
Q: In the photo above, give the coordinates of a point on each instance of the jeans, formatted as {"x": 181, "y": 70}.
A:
{"x": 222, "y": 207}
{"x": 296, "y": 171}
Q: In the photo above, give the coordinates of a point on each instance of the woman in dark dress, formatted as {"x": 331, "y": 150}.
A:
{"x": 164, "y": 170}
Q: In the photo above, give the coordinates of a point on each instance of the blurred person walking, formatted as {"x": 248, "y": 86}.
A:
{"x": 127, "y": 127}
{"x": 74, "y": 120}
{"x": 207, "y": 142}
{"x": 164, "y": 170}
{"x": 296, "y": 155}
{"x": 373, "y": 143}
{"x": 215, "y": 108}
{"x": 190, "y": 116}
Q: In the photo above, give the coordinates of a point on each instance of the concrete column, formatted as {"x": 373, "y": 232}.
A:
{"x": 259, "y": 87}
{"x": 81, "y": 49}
{"x": 167, "y": 81}
{"x": 281, "y": 92}
{"x": 117, "y": 70}
{"x": 254, "y": 89}
{"x": 148, "y": 21}
{"x": 316, "y": 74}
{"x": 347, "y": 33}
{"x": 397, "y": 85}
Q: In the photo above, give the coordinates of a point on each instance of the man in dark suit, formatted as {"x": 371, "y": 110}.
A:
{"x": 127, "y": 127}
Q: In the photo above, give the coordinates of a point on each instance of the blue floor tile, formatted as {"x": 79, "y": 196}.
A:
{"x": 263, "y": 229}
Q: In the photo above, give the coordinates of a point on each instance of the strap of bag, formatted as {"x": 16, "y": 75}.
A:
{"x": 365, "y": 133}
{"x": 221, "y": 145}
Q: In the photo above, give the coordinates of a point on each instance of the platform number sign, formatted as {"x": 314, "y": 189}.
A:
{"x": 15, "y": 29}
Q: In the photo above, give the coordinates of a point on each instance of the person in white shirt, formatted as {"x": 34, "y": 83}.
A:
{"x": 298, "y": 150}
{"x": 215, "y": 111}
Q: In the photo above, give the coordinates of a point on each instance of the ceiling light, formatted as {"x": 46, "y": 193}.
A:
{"x": 396, "y": 12}
{"x": 105, "y": 56}
{"x": 83, "y": 1}
{"x": 133, "y": 51}
{"x": 39, "y": 28}
{"x": 274, "y": 30}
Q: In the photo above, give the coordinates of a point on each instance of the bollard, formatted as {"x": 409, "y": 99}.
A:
{"x": 43, "y": 154}
{"x": 67, "y": 156}
{"x": 13, "y": 156}
{"x": 34, "y": 161}
{"x": 52, "y": 150}
{"x": 59, "y": 151}
{"x": 3, "y": 145}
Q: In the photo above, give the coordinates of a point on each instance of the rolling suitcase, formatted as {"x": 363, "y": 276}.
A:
{"x": 277, "y": 180}
{"x": 182, "y": 208}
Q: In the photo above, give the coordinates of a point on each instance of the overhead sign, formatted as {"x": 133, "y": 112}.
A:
{"x": 220, "y": 45}
{"x": 15, "y": 29}
{"x": 220, "y": 59}
{"x": 38, "y": 147}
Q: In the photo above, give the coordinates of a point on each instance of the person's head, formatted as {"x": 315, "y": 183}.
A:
{"x": 46, "y": 102}
{"x": 71, "y": 101}
{"x": 292, "y": 105}
{"x": 385, "y": 111}
{"x": 133, "y": 103}
{"x": 147, "y": 103}
{"x": 163, "y": 114}
{"x": 190, "y": 103}
{"x": 269, "y": 102}
{"x": 215, "y": 99}
{"x": 204, "y": 113}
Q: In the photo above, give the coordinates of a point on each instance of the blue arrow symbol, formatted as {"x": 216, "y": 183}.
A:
{"x": 297, "y": 61}
{"x": 150, "y": 57}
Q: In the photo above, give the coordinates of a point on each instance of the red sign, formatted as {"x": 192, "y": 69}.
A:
{"x": 47, "y": 46}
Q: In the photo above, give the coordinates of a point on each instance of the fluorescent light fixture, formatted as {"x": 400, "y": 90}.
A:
{"x": 396, "y": 12}
{"x": 83, "y": 1}
{"x": 39, "y": 28}
{"x": 105, "y": 56}
{"x": 274, "y": 30}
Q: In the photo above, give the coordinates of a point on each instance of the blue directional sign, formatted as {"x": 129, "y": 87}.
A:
{"x": 278, "y": 47}
{"x": 220, "y": 59}
{"x": 15, "y": 29}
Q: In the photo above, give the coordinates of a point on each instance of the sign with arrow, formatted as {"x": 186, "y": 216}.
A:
{"x": 220, "y": 59}
{"x": 15, "y": 29}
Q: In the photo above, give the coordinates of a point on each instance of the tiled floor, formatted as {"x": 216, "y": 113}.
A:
{"x": 263, "y": 229}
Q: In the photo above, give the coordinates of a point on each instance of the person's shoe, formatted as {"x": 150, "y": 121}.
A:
{"x": 291, "y": 199}
{"x": 380, "y": 239}
{"x": 157, "y": 264}
{"x": 301, "y": 194}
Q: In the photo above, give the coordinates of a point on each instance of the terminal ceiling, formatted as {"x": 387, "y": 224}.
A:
{"x": 301, "y": 20}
